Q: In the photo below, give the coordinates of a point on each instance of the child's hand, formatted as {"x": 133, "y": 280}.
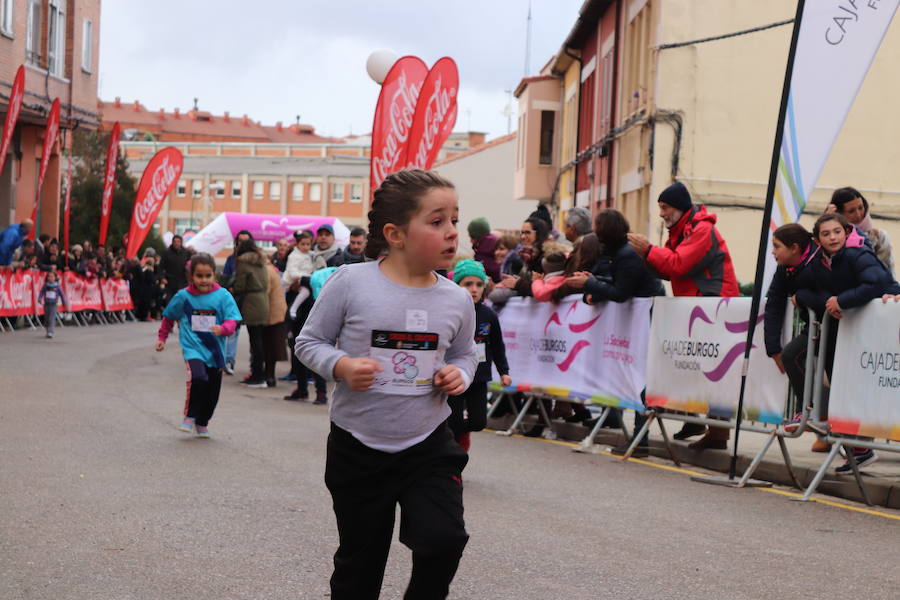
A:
{"x": 887, "y": 297}
{"x": 537, "y": 276}
{"x": 359, "y": 373}
{"x": 216, "y": 330}
{"x": 506, "y": 380}
{"x": 450, "y": 380}
{"x": 160, "y": 345}
{"x": 833, "y": 308}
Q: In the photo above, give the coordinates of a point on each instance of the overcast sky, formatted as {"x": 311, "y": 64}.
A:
{"x": 282, "y": 58}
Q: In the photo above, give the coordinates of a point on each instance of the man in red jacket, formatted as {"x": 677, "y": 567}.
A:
{"x": 697, "y": 262}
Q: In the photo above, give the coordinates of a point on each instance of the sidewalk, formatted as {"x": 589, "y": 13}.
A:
{"x": 882, "y": 479}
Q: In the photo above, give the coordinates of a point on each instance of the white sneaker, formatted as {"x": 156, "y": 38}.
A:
{"x": 229, "y": 370}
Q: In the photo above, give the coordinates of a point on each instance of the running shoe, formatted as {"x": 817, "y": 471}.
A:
{"x": 255, "y": 383}
{"x": 202, "y": 431}
{"x": 187, "y": 425}
{"x": 863, "y": 459}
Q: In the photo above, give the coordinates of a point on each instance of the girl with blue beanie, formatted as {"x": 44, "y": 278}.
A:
{"x": 469, "y": 409}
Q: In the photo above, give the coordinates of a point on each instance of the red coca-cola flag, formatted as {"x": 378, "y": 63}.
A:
{"x": 109, "y": 183}
{"x": 16, "y": 95}
{"x": 394, "y": 117}
{"x": 160, "y": 176}
{"x": 50, "y": 135}
{"x": 435, "y": 115}
{"x": 65, "y": 250}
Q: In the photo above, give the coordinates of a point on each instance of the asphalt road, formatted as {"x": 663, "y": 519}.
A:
{"x": 101, "y": 497}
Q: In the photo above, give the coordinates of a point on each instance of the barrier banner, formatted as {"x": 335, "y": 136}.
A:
{"x": 81, "y": 293}
{"x": 865, "y": 383}
{"x": 694, "y": 361}
{"x": 116, "y": 294}
{"x": 37, "y": 282}
{"x": 16, "y": 293}
{"x": 573, "y": 350}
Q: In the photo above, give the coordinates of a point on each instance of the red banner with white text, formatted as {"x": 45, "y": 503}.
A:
{"x": 435, "y": 115}
{"x": 16, "y": 95}
{"x": 16, "y": 292}
{"x": 160, "y": 176}
{"x": 394, "y": 117}
{"x": 116, "y": 294}
{"x": 81, "y": 293}
{"x": 50, "y": 135}
{"x": 109, "y": 183}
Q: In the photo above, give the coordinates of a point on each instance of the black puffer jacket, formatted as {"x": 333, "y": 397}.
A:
{"x": 786, "y": 282}
{"x": 621, "y": 275}
{"x": 855, "y": 275}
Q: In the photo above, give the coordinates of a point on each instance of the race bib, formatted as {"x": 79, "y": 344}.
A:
{"x": 407, "y": 359}
{"x": 203, "y": 320}
{"x": 481, "y": 351}
{"x": 50, "y": 296}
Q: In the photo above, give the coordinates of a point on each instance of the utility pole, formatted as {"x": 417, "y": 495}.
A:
{"x": 528, "y": 42}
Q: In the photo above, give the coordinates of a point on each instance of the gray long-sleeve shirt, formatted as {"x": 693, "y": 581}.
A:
{"x": 413, "y": 332}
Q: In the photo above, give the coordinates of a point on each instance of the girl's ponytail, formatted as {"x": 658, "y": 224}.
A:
{"x": 395, "y": 202}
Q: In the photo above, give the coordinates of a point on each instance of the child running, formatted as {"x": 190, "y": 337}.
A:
{"x": 51, "y": 295}
{"x": 469, "y": 409}
{"x": 206, "y": 315}
{"x": 405, "y": 343}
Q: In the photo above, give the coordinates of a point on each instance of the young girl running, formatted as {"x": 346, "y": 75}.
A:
{"x": 469, "y": 409}
{"x": 51, "y": 295}
{"x": 206, "y": 315}
{"x": 405, "y": 342}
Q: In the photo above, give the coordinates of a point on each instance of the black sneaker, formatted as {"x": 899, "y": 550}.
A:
{"x": 689, "y": 430}
{"x": 535, "y": 431}
{"x": 270, "y": 383}
{"x": 254, "y": 383}
{"x": 864, "y": 459}
{"x": 296, "y": 395}
{"x": 639, "y": 451}
{"x": 321, "y": 399}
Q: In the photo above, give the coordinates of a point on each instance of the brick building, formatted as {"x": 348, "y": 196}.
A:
{"x": 58, "y": 42}
{"x": 240, "y": 165}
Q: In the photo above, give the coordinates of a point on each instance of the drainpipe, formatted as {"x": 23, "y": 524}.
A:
{"x": 613, "y": 104}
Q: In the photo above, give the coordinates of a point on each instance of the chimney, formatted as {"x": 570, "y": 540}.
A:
{"x": 118, "y": 102}
{"x": 177, "y": 113}
{"x": 162, "y": 113}
{"x": 295, "y": 128}
{"x": 227, "y": 118}
{"x": 137, "y": 106}
{"x": 278, "y": 126}
{"x": 246, "y": 121}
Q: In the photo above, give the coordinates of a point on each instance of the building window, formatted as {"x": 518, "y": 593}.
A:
{"x": 33, "y": 33}
{"x": 6, "y": 17}
{"x": 297, "y": 192}
{"x": 182, "y": 225}
{"x": 606, "y": 93}
{"x": 315, "y": 192}
{"x": 235, "y": 189}
{"x": 274, "y": 191}
{"x": 182, "y": 188}
{"x": 257, "y": 190}
{"x": 356, "y": 192}
{"x": 636, "y": 79}
{"x": 87, "y": 45}
{"x": 220, "y": 189}
{"x": 547, "y": 119}
{"x": 337, "y": 192}
{"x": 56, "y": 38}
{"x": 196, "y": 188}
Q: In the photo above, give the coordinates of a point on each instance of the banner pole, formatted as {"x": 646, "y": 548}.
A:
{"x": 765, "y": 228}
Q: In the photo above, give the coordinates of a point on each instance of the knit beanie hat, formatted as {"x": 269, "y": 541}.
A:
{"x": 677, "y": 196}
{"x": 469, "y": 268}
{"x": 553, "y": 262}
{"x": 479, "y": 228}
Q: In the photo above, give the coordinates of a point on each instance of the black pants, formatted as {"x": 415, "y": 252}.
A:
{"x": 257, "y": 352}
{"x": 203, "y": 385}
{"x": 793, "y": 357}
{"x": 366, "y": 485}
{"x": 474, "y": 402}
{"x": 303, "y": 373}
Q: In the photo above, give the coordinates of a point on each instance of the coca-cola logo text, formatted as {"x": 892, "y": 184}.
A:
{"x": 437, "y": 108}
{"x": 160, "y": 181}
{"x": 400, "y": 110}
